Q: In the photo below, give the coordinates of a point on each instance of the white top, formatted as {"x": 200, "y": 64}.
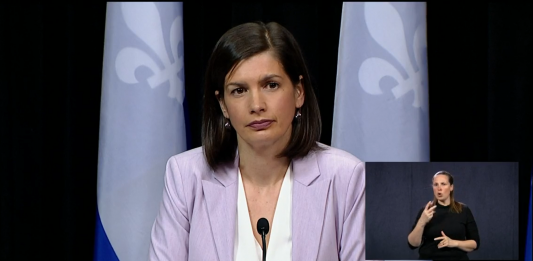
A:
{"x": 280, "y": 245}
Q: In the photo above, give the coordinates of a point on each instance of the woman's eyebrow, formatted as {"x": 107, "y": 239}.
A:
{"x": 265, "y": 78}
{"x": 269, "y": 77}
{"x": 238, "y": 84}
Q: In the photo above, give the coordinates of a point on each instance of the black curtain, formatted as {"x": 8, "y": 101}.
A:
{"x": 51, "y": 60}
{"x": 479, "y": 58}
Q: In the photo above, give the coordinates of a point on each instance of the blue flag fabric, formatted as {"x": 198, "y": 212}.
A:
{"x": 381, "y": 97}
{"x": 142, "y": 122}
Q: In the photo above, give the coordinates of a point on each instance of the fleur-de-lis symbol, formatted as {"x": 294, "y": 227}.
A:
{"x": 389, "y": 33}
{"x": 142, "y": 18}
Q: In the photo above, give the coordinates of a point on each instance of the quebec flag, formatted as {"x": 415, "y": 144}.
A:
{"x": 381, "y": 97}
{"x": 142, "y": 122}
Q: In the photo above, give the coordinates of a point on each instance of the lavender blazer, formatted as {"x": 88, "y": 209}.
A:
{"x": 197, "y": 217}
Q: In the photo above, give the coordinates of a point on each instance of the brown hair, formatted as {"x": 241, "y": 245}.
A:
{"x": 455, "y": 206}
{"x": 237, "y": 44}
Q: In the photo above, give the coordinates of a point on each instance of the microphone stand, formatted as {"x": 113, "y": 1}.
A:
{"x": 264, "y": 245}
{"x": 263, "y": 228}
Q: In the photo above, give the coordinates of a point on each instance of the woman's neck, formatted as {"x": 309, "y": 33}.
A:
{"x": 446, "y": 202}
{"x": 261, "y": 167}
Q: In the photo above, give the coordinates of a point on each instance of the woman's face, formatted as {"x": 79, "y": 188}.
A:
{"x": 260, "y": 101}
{"x": 442, "y": 188}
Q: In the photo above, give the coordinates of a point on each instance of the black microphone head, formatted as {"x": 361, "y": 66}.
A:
{"x": 262, "y": 225}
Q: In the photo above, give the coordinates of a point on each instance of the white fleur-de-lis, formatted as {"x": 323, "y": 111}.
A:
{"x": 386, "y": 27}
{"x": 143, "y": 19}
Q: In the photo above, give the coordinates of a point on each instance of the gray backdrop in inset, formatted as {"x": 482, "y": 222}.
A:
{"x": 396, "y": 191}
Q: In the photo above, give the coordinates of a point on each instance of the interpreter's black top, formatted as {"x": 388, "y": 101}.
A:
{"x": 456, "y": 226}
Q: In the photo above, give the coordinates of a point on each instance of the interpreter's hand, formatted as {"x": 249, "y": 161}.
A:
{"x": 427, "y": 214}
{"x": 446, "y": 241}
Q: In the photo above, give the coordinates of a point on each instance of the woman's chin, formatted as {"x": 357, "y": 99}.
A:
{"x": 259, "y": 141}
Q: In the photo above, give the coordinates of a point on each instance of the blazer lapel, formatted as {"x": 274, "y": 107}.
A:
{"x": 221, "y": 198}
{"x": 308, "y": 206}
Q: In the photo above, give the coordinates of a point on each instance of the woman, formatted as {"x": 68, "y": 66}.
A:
{"x": 260, "y": 159}
{"x": 445, "y": 228}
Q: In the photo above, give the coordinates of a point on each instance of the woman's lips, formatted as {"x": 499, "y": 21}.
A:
{"x": 260, "y": 125}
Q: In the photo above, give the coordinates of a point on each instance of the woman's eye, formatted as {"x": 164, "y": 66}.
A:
{"x": 272, "y": 85}
{"x": 238, "y": 91}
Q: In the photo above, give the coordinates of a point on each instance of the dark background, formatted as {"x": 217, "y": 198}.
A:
{"x": 396, "y": 191}
{"x": 479, "y": 58}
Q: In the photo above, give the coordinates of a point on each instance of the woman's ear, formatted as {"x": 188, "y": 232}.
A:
{"x": 299, "y": 94}
{"x": 222, "y": 105}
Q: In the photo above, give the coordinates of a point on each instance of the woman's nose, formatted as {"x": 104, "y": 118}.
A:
{"x": 257, "y": 103}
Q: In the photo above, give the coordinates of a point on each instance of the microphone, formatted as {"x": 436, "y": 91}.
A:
{"x": 262, "y": 228}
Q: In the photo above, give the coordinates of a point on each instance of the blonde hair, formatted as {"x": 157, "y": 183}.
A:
{"x": 455, "y": 206}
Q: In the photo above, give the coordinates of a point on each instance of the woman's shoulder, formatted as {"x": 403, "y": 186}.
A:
{"x": 189, "y": 154}
{"x": 190, "y": 161}
{"x": 336, "y": 162}
{"x": 336, "y": 156}
{"x": 464, "y": 206}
